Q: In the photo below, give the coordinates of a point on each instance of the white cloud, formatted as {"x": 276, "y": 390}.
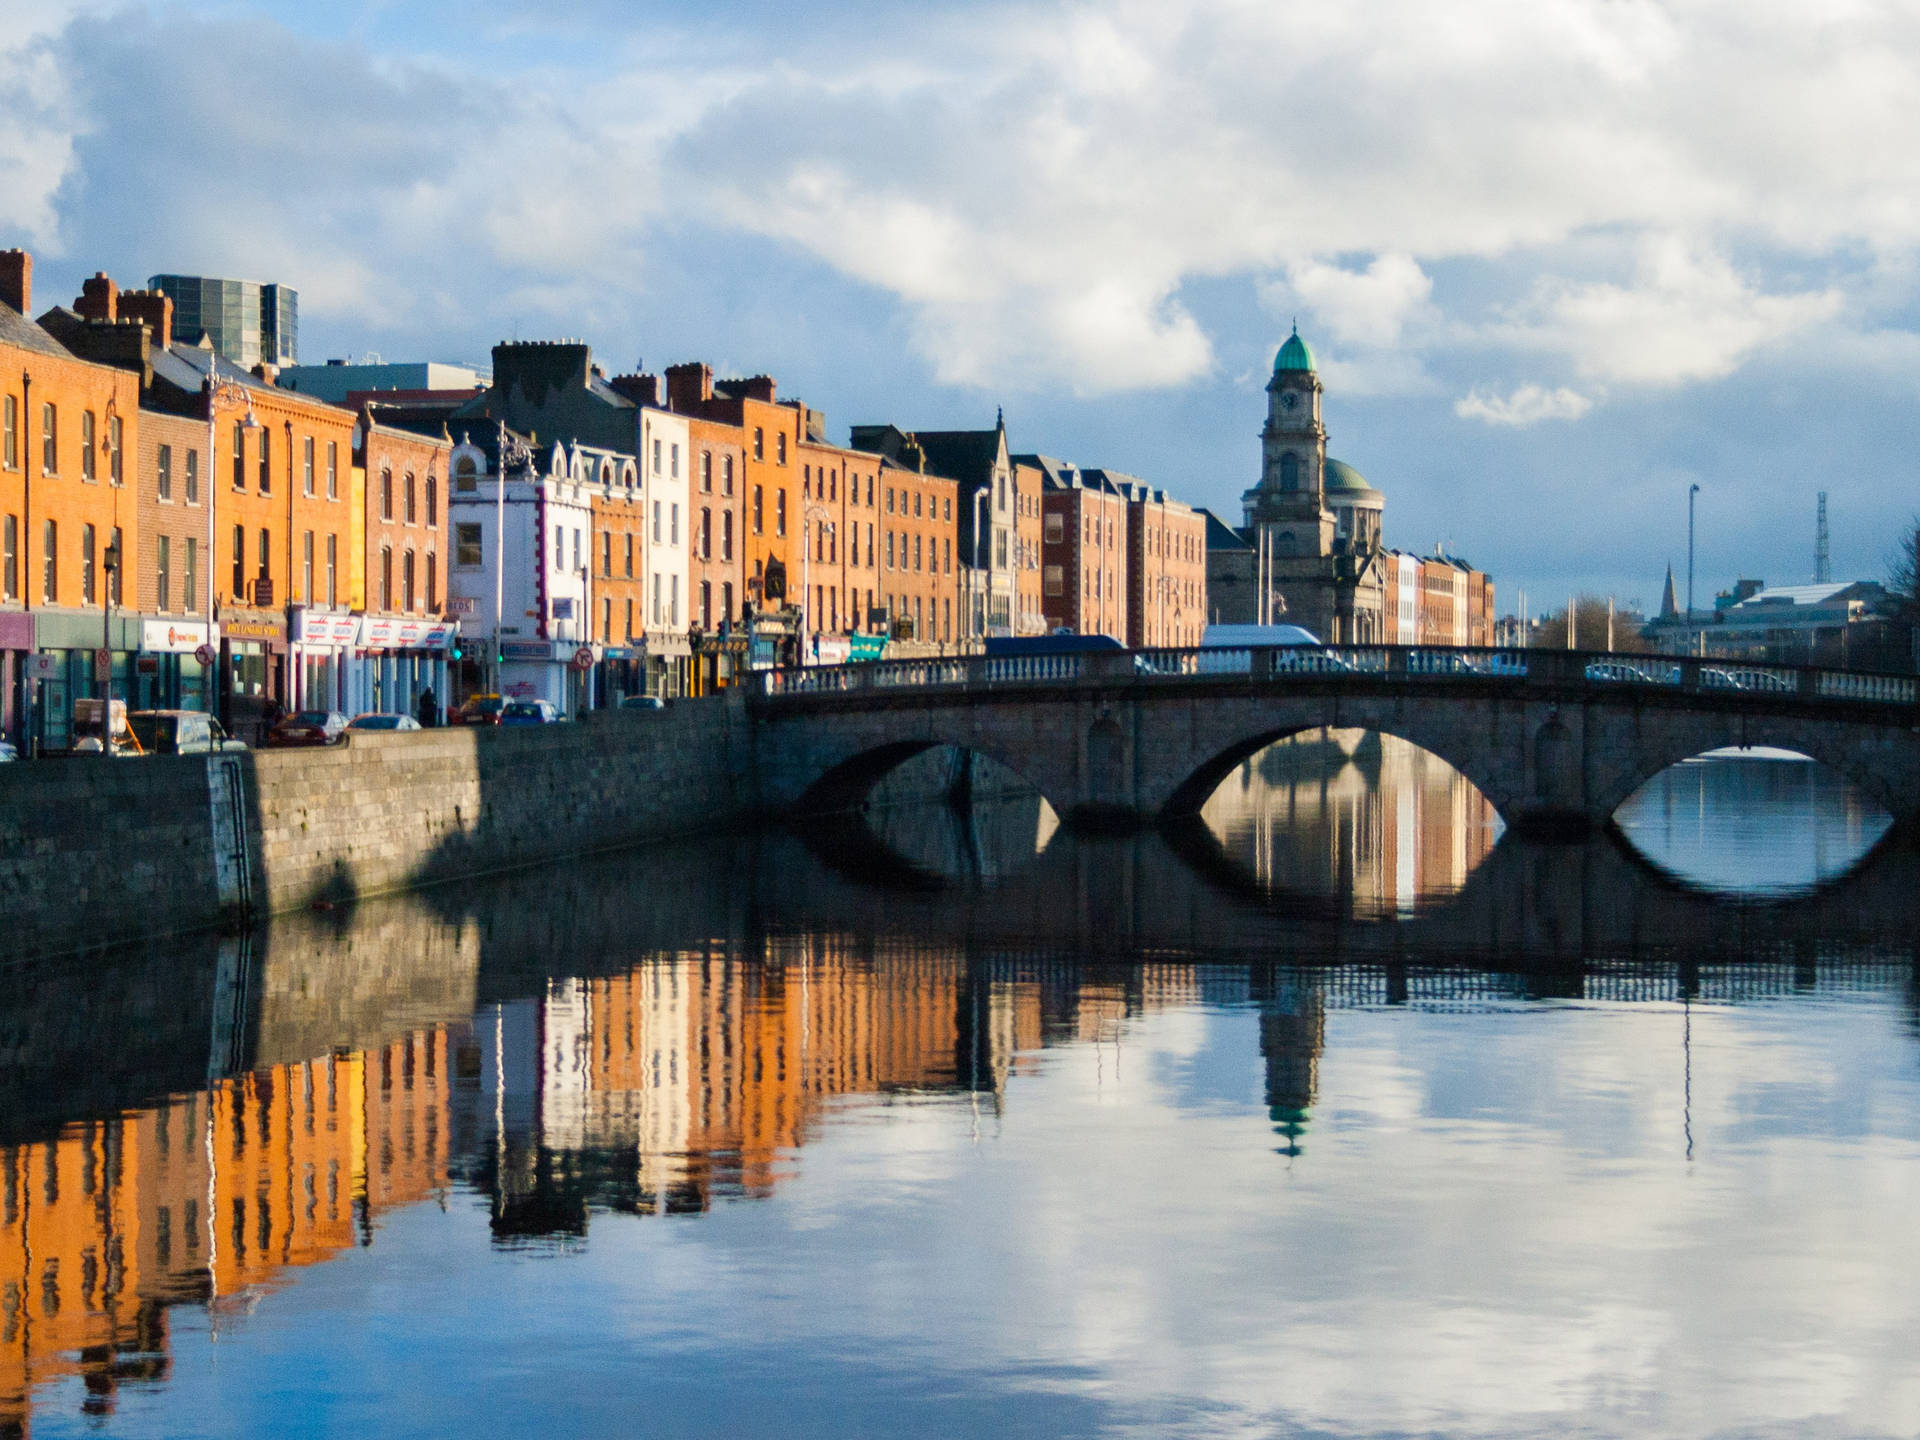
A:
{"x": 1523, "y": 406}
{"x": 1369, "y": 308}
{"x": 1687, "y": 316}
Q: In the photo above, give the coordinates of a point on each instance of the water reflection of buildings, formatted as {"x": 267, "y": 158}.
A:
{"x": 1367, "y": 817}
{"x": 206, "y": 1198}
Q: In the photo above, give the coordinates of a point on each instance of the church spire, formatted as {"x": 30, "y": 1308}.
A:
{"x": 1668, "y": 609}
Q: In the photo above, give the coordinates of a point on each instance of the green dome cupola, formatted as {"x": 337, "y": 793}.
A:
{"x": 1294, "y": 355}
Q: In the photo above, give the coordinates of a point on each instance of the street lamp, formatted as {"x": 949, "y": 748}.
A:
{"x": 1690, "y": 492}
{"x": 811, "y": 512}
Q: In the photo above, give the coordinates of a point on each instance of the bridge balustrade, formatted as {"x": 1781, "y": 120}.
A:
{"x": 1596, "y": 669}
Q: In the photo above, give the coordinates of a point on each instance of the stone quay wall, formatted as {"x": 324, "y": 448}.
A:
{"x": 96, "y": 852}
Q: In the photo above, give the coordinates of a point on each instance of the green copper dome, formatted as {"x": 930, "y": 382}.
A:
{"x": 1294, "y": 355}
{"x": 1343, "y": 478}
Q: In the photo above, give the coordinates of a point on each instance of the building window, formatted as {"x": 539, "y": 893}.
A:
{"x": 193, "y": 477}
{"x": 163, "y": 573}
{"x": 629, "y": 622}
{"x": 406, "y": 582}
{"x": 890, "y": 499}
{"x": 10, "y": 433}
{"x": 266, "y": 460}
{"x": 656, "y": 597}
{"x": 86, "y": 445}
{"x": 466, "y": 479}
{"x": 10, "y": 558}
{"x": 706, "y": 605}
{"x": 1054, "y": 580}
{"x": 239, "y": 455}
{"x": 656, "y": 522}
{"x": 780, "y": 512}
{"x": 306, "y": 467}
{"x": 86, "y": 558}
{"x": 433, "y": 502}
{"x": 433, "y": 582}
{"x": 706, "y": 472}
{"x": 726, "y": 534}
{"x": 49, "y": 440}
{"x": 239, "y": 562}
{"x": 579, "y": 554}
{"x": 758, "y": 513}
{"x": 412, "y": 514}
{"x": 50, "y": 564}
{"x": 947, "y": 545}
{"x": 673, "y": 452}
{"x": 606, "y": 621}
{"x": 759, "y": 444}
{"x": 386, "y": 494}
{"x": 606, "y": 553}
{"x": 116, "y": 471}
{"x": 263, "y": 576}
{"x": 780, "y": 448}
{"x": 673, "y": 523}
{"x": 333, "y": 470}
{"x": 916, "y": 552}
{"x": 726, "y": 599}
{"x": 1289, "y": 471}
{"x": 916, "y": 504}
{"x": 163, "y": 474}
{"x": 333, "y": 571}
{"x": 726, "y": 474}
{"x": 190, "y": 580}
{"x": 386, "y": 577}
{"x": 116, "y": 562}
{"x": 306, "y": 568}
{"x": 947, "y": 507}
{"x": 890, "y": 549}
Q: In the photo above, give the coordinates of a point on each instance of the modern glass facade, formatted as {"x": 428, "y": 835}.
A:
{"x": 247, "y": 322}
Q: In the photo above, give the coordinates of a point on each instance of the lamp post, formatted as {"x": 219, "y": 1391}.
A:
{"x": 1692, "y": 490}
{"x": 807, "y": 617}
{"x": 218, "y": 390}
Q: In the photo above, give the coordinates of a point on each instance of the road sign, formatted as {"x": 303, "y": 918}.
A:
{"x": 583, "y": 658}
{"x": 204, "y": 654}
{"x": 103, "y": 665}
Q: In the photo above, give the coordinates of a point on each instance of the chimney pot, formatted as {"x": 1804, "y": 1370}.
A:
{"x": 16, "y": 279}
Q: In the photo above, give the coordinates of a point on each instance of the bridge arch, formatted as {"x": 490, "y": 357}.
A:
{"x": 1481, "y": 768}
{"x": 847, "y": 783}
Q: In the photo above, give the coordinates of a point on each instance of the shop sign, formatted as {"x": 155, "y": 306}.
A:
{"x": 526, "y": 650}
{"x": 174, "y": 637}
{"x": 253, "y": 625}
{"x": 16, "y": 630}
{"x": 462, "y": 605}
{"x": 379, "y": 632}
{"x": 830, "y": 650}
{"x": 46, "y": 667}
{"x": 616, "y": 652}
{"x": 318, "y": 627}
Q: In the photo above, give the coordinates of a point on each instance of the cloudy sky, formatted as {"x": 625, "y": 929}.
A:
{"x": 1560, "y": 259}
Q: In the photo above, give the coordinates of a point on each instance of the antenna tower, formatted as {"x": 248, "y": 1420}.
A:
{"x": 1822, "y": 556}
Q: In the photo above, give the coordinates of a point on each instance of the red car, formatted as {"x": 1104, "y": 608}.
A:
{"x": 309, "y": 727}
{"x": 480, "y": 710}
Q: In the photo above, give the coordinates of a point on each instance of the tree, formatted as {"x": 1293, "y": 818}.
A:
{"x": 1903, "y": 585}
{"x": 1590, "y": 628}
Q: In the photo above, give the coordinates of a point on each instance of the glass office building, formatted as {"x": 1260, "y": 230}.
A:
{"x": 246, "y": 322}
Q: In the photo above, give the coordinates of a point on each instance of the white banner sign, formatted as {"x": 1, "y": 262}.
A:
{"x": 317, "y": 627}
{"x": 175, "y": 637}
{"x": 380, "y": 632}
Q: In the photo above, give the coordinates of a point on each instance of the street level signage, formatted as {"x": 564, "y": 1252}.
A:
{"x": 583, "y": 658}
{"x": 526, "y": 650}
{"x": 318, "y": 627}
{"x": 176, "y": 637}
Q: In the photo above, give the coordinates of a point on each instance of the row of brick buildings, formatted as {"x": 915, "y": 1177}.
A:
{"x": 217, "y": 541}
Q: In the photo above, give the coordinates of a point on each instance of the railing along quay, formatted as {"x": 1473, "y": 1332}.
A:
{"x": 1599, "y": 670}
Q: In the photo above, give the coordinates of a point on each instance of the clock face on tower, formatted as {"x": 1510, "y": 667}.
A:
{"x": 1289, "y": 399}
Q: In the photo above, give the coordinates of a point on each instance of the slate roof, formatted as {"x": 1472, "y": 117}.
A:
{"x": 964, "y": 455}
{"x": 1222, "y": 536}
{"x": 16, "y": 329}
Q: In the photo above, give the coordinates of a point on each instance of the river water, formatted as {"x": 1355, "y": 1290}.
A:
{"x": 1340, "y": 1112}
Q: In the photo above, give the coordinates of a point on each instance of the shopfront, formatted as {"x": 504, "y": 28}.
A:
{"x": 170, "y": 672}
{"x": 252, "y": 675}
{"x": 530, "y": 670}
{"x": 64, "y": 668}
{"x": 398, "y": 660}
{"x": 16, "y": 644}
{"x": 622, "y": 671}
{"x": 323, "y": 657}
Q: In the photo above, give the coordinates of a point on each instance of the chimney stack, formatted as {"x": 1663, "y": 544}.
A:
{"x": 16, "y": 279}
{"x": 99, "y": 298}
{"x": 152, "y": 307}
{"x": 689, "y": 387}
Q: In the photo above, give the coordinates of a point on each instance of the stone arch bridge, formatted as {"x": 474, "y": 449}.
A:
{"x": 1552, "y": 738}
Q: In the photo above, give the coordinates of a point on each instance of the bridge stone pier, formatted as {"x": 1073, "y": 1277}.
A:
{"x": 1553, "y": 739}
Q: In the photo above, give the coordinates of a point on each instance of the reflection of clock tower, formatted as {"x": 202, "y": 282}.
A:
{"x": 1290, "y": 501}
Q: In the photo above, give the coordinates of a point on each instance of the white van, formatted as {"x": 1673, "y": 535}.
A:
{"x": 1228, "y": 649}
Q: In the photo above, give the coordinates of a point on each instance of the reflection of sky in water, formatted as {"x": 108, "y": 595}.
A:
{"x": 1759, "y": 826}
{"x": 1490, "y": 1225}
{"x": 1367, "y": 818}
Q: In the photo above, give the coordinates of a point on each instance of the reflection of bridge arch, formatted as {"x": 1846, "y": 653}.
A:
{"x": 847, "y": 784}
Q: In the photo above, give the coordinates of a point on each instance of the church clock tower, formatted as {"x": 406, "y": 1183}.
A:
{"x": 1289, "y": 504}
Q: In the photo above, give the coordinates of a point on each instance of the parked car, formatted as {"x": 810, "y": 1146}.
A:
{"x": 642, "y": 702}
{"x": 530, "y": 712}
{"x": 376, "y": 721}
{"x": 309, "y": 727}
{"x": 1619, "y": 672}
{"x": 479, "y": 710}
{"x": 8, "y": 752}
{"x": 180, "y": 732}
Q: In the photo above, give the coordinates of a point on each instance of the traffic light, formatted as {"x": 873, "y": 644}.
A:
{"x": 455, "y": 653}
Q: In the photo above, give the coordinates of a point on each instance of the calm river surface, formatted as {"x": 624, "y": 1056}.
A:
{"x": 1340, "y": 1113}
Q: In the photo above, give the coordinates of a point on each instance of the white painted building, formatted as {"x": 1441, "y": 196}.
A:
{"x": 520, "y": 577}
{"x": 666, "y": 460}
